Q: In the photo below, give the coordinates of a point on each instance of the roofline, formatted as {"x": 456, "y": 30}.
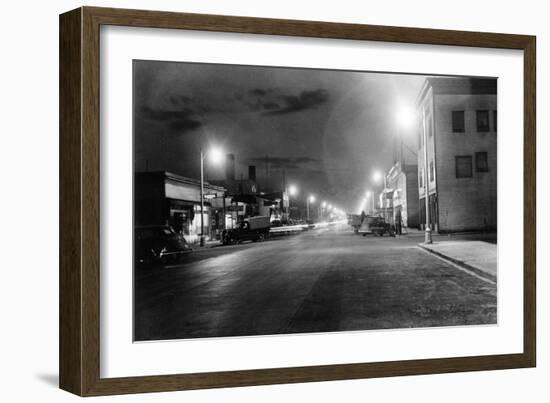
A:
{"x": 182, "y": 179}
{"x": 442, "y": 86}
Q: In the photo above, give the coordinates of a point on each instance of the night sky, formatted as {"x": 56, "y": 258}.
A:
{"x": 326, "y": 130}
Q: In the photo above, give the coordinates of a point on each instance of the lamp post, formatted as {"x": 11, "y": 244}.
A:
{"x": 292, "y": 191}
{"x": 216, "y": 156}
{"x": 428, "y": 231}
{"x": 406, "y": 118}
{"x": 310, "y": 199}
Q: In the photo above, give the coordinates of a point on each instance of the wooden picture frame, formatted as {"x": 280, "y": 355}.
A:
{"x": 79, "y": 201}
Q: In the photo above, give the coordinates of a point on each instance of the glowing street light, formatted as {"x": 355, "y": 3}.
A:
{"x": 216, "y": 156}
{"x": 292, "y": 190}
{"x": 406, "y": 116}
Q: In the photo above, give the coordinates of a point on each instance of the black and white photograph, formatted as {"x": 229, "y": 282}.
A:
{"x": 275, "y": 200}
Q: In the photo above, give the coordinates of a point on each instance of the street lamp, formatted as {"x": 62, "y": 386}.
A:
{"x": 406, "y": 116}
{"x": 292, "y": 190}
{"x": 216, "y": 156}
{"x": 310, "y": 199}
{"x": 428, "y": 232}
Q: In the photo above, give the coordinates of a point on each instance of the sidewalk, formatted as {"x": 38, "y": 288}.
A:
{"x": 476, "y": 256}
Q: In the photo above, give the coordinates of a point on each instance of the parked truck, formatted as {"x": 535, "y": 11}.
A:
{"x": 251, "y": 229}
{"x": 375, "y": 225}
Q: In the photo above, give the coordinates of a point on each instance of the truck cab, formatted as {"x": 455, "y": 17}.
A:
{"x": 251, "y": 229}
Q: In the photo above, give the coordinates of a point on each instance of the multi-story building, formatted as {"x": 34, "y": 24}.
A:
{"x": 402, "y": 184}
{"x": 458, "y": 116}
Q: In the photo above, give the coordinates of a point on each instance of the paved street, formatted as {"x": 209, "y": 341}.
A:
{"x": 323, "y": 280}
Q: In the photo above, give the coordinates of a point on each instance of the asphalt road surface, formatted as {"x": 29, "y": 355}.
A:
{"x": 324, "y": 280}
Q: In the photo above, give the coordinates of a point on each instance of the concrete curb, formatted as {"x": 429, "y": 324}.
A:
{"x": 460, "y": 263}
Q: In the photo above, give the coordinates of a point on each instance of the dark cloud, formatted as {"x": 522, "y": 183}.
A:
{"x": 306, "y": 100}
{"x": 184, "y": 125}
{"x": 273, "y": 102}
{"x": 270, "y": 105}
{"x": 260, "y": 92}
{"x": 182, "y": 120}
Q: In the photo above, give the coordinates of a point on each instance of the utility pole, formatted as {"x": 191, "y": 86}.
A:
{"x": 202, "y": 200}
{"x": 428, "y": 231}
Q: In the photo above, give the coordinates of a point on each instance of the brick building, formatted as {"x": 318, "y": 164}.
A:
{"x": 459, "y": 116}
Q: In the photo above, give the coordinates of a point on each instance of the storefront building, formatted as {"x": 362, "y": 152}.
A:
{"x": 164, "y": 198}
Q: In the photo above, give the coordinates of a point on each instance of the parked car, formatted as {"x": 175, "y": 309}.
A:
{"x": 159, "y": 243}
{"x": 251, "y": 229}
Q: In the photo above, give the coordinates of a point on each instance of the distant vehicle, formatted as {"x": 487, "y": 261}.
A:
{"x": 159, "y": 243}
{"x": 375, "y": 225}
{"x": 251, "y": 229}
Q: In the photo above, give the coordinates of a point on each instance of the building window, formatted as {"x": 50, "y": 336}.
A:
{"x": 495, "y": 120}
{"x": 464, "y": 166}
{"x": 431, "y": 171}
{"x": 481, "y": 162}
{"x": 458, "y": 122}
{"x": 421, "y": 178}
{"x": 482, "y": 119}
